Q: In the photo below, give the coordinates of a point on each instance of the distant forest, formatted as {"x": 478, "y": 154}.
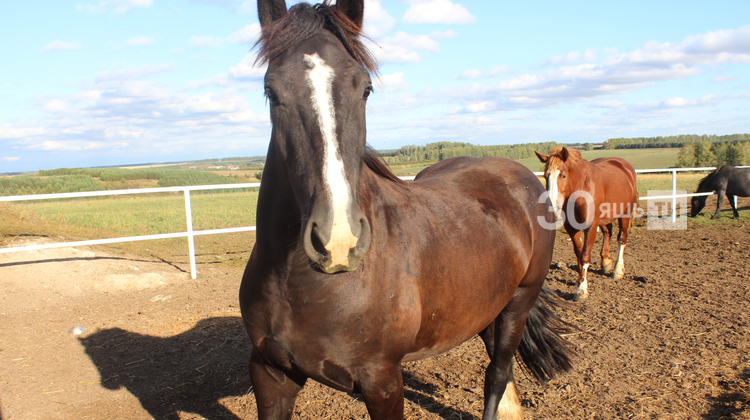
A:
{"x": 434, "y": 152}
{"x": 98, "y": 179}
{"x": 670, "y": 141}
{"x": 696, "y": 150}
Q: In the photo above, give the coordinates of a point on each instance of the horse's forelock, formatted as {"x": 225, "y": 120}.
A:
{"x": 555, "y": 159}
{"x": 301, "y": 22}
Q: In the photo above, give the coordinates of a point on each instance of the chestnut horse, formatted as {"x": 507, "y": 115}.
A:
{"x": 603, "y": 191}
{"x": 355, "y": 271}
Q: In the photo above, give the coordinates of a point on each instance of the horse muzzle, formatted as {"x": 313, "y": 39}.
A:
{"x": 333, "y": 246}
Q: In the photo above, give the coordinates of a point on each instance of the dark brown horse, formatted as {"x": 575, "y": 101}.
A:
{"x": 602, "y": 191}
{"x": 725, "y": 180}
{"x": 355, "y": 271}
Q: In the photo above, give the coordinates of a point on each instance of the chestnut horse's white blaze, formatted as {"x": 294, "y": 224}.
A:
{"x": 554, "y": 193}
{"x": 320, "y": 78}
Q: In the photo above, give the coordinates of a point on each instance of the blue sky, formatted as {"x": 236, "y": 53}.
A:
{"x": 116, "y": 82}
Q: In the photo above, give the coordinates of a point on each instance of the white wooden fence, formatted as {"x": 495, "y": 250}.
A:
{"x": 191, "y": 234}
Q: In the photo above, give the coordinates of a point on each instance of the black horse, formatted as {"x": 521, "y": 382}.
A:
{"x": 355, "y": 271}
{"x": 725, "y": 180}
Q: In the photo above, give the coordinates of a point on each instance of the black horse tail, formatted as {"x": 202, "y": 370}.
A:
{"x": 543, "y": 350}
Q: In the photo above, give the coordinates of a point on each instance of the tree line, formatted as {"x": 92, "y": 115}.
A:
{"x": 671, "y": 141}
{"x": 704, "y": 153}
{"x": 63, "y": 180}
{"x": 434, "y": 152}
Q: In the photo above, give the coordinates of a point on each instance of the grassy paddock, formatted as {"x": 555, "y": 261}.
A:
{"x": 148, "y": 214}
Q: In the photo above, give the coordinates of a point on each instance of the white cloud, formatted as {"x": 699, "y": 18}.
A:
{"x": 11, "y": 158}
{"x": 403, "y": 48}
{"x": 724, "y": 78}
{"x": 479, "y": 74}
{"x": 247, "y": 35}
{"x": 58, "y": 45}
{"x": 132, "y": 73}
{"x": 610, "y": 104}
{"x": 55, "y": 105}
{"x": 140, "y": 41}
{"x": 588, "y": 55}
{"x": 377, "y": 22}
{"x": 617, "y": 73}
{"x": 724, "y": 46}
{"x": 117, "y": 7}
{"x": 246, "y": 69}
{"x": 393, "y": 82}
{"x": 438, "y": 11}
{"x": 206, "y": 41}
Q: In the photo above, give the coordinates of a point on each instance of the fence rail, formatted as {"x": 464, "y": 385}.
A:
{"x": 191, "y": 234}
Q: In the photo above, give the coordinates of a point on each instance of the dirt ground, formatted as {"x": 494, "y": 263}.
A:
{"x": 89, "y": 335}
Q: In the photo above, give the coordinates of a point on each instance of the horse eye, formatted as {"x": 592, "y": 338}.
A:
{"x": 368, "y": 91}
{"x": 271, "y": 96}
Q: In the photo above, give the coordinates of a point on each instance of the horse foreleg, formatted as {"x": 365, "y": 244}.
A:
{"x": 607, "y": 263}
{"x": 589, "y": 237}
{"x": 275, "y": 392}
{"x": 719, "y": 200}
{"x": 382, "y": 388}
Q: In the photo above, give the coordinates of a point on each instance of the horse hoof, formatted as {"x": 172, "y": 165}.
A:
{"x": 580, "y": 297}
{"x": 607, "y": 269}
{"x": 618, "y": 276}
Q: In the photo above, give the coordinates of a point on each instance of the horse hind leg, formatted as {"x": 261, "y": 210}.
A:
{"x": 502, "y": 339}
{"x": 607, "y": 263}
{"x": 732, "y": 199}
{"x": 622, "y": 238}
{"x": 528, "y": 327}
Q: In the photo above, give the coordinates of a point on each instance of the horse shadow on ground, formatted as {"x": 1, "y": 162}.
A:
{"x": 188, "y": 372}
{"x": 734, "y": 401}
{"x": 192, "y": 371}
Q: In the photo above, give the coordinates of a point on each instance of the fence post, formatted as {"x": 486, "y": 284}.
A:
{"x": 191, "y": 242}
{"x": 674, "y": 193}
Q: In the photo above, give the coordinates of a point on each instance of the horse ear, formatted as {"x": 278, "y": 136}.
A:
{"x": 353, "y": 9}
{"x": 542, "y": 158}
{"x": 270, "y": 11}
{"x": 564, "y": 154}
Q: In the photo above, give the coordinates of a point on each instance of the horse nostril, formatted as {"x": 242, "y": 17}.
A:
{"x": 317, "y": 243}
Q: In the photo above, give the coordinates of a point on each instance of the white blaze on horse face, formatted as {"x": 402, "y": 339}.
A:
{"x": 554, "y": 194}
{"x": 320, "y": 78}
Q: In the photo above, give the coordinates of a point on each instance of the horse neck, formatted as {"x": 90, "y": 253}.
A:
{"x": 277, "y": 205}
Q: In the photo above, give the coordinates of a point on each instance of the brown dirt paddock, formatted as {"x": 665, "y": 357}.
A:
{"x": 669, "y": 341}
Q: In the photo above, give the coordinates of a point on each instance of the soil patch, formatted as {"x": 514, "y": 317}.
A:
{"x": 86, "y": 334}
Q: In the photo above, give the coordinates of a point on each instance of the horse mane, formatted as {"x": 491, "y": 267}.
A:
{"x": 302, "y": 21}
{"x": 706, "y": 184}
{"x": 373, "y": 161}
